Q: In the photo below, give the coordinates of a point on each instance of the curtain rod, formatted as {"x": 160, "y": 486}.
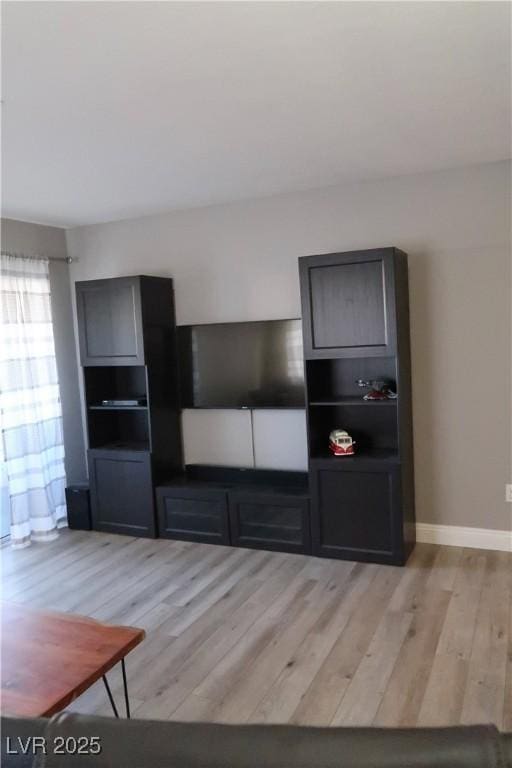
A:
{"x": 66, "y": 259}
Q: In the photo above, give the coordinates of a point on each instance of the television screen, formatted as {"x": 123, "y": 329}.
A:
{"x": 242, "y": 365}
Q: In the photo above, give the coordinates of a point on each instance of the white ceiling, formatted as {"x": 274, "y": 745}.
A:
{"x": 121, "y": 109}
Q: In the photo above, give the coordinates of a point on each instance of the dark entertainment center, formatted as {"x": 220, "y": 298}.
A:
{"x": 355, "y": 321}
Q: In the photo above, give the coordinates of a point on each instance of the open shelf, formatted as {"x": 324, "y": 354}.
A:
{"x": 118, "y": 407}
{"x": 373, "y": 426}
{"x": 375, "y": 454}
{"x": 353, "y": 400}
{"x": 334, "y": 380}
{"x": 115, "y": 382}
{"x": 125, "y": 445}
{"x": 117, "y": 427}
{"x": 109, "y": 426}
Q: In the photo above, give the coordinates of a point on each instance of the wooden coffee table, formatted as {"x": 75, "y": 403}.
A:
{"x": 50, "y": 658}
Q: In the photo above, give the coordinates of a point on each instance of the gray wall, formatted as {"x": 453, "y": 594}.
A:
{"x": 33, "y": 240}
{"x": 239, "y": 262}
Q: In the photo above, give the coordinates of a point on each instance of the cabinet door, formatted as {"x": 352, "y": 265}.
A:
{"x": 109, "y": 322}
{"x": 356, "y": 514}
{"x": 269, "y": 521}
{"x": 193, "y": 514}
{"x": 122, "y": 492}
{"x": 348, "y": 304}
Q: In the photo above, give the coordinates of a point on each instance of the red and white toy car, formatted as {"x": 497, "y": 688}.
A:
{"x": 340, "y": 443}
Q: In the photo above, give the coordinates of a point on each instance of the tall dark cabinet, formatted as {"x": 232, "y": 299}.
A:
{"x": 127, "y": 338}
{"x": 355, "y": 314}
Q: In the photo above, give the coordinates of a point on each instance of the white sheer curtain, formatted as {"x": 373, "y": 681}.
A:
{"x": 30, "y": 409}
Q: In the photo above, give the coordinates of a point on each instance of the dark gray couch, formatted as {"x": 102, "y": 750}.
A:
{"x": 146, "y": 743}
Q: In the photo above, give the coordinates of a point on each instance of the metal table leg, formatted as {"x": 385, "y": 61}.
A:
{"x": 125, "y": 688}
{"x": 109, "y": 692}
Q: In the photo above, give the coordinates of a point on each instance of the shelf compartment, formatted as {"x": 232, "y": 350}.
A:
{"x": 334, "y": 380}
{"x": 122, "y": 382}
{"x": 109, "y": 426}
{"x": 373, "y": 428}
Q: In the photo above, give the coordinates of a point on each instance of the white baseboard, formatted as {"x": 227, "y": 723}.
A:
{"x": 460, "y": 536}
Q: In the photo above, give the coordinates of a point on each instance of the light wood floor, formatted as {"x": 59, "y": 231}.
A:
{"x": 236, "y": 635}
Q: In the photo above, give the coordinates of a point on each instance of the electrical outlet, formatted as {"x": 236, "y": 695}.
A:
{"x": 508, "y": 492}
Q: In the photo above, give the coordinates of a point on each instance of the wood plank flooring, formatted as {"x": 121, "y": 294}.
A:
{"x": 237, "y": 635}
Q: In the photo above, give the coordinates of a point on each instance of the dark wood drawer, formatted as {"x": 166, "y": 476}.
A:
{"x": 193, "y": 514}
{"x": 275, "y": 521}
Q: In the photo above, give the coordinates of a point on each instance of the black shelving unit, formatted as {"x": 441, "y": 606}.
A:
{"x": 355, "y": 313}
{"x": 127, "y": 338}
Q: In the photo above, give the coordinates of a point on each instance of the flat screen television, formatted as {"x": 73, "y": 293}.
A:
{"x": 242, "y": 365}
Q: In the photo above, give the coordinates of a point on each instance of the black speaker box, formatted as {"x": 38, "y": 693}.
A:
{"x": 79, "y": 508}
